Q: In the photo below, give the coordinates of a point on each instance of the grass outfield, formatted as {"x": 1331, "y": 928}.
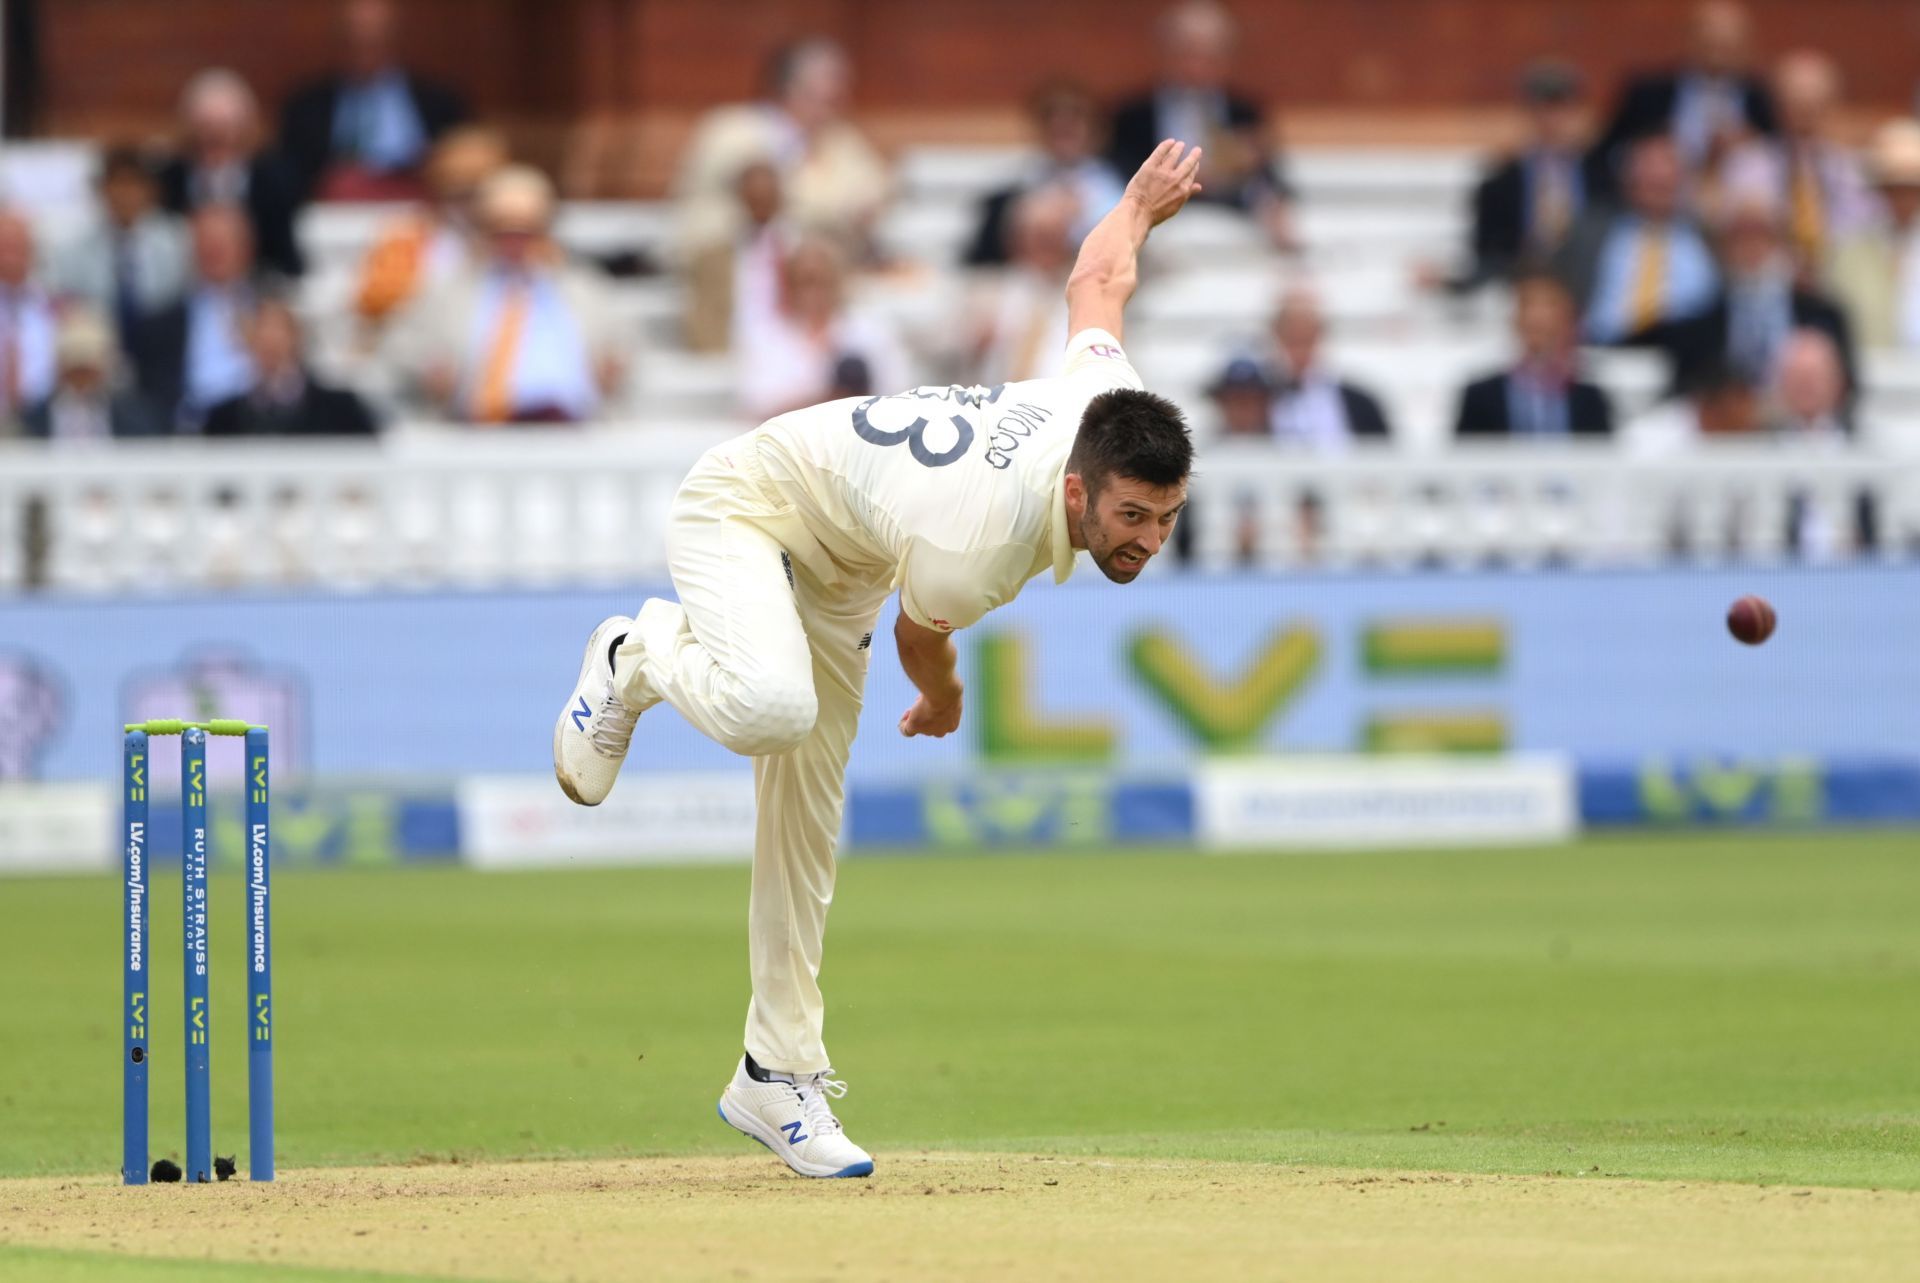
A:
{"x": 1728, "y": 1008}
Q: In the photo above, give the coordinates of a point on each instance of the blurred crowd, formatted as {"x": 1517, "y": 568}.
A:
{"x": 1709, "y": 212}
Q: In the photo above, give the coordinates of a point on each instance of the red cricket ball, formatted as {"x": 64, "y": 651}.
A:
{"x": 1751, "y": 620}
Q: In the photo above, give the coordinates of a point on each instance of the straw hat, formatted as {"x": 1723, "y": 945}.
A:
{"x": 83, "y": 341}
{"x": 1893, "y": 157}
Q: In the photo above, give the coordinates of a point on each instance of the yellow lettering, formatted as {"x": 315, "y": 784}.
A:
{"x": 1232, "y": 714}
{"x": 1012, "y": 728}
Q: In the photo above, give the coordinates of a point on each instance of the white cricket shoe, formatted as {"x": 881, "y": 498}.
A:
{"x": 795, "y": 1121}
{"x": 590, "y": 739}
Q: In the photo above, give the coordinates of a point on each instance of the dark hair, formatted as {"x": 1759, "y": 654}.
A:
{"x": 1131, "y": 434}
{"x": 123, "y": 160}
{"x": 1716, "y": 377}
{"x": 1059, "y": 94}
{"x": 1532, "y": 273}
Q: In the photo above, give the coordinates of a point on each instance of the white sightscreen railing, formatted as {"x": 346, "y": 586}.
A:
{"x": 438, "y": 508}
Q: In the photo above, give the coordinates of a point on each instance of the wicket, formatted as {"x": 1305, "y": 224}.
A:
{"x": 196, "y": 1001}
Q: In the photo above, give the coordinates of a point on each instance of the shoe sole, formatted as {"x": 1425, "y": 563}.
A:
{"x": 854, "y": 1169}
{"x": 594, "y": 643}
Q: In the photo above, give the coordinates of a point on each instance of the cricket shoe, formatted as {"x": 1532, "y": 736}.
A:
{"x": 792, "y": 1117}
{"x": 590, "y": 739}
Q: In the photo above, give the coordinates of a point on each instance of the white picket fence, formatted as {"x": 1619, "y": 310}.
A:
{"x": 433, "y": 507}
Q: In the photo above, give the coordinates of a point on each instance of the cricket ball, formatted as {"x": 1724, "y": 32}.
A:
{"x": 1751, "y": 620}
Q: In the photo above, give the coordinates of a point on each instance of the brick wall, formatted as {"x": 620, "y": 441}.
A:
{"x": 559, "y": 69}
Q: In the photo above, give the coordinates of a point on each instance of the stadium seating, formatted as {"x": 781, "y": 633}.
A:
{"x": 429, "y": 506}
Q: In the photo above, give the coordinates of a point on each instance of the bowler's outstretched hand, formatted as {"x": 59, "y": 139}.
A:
{"x": 1168, "y": 179}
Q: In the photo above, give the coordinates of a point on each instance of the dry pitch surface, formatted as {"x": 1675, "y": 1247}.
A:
{"x": 955, "y": 1216}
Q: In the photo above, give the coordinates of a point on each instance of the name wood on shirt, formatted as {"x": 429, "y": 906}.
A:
{"x": 1019, "y": 422}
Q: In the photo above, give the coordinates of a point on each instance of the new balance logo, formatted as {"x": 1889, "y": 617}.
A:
{"x": 865, "y": 641}
{"x": 786, "y": 564}
{"x": 580, "y": 716}
{"x": 792, "y": 1129}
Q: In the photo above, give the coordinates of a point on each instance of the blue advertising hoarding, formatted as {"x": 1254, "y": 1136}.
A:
{"x": 1627, "y": 674}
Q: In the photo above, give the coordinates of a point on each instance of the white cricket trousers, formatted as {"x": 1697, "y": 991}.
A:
{"x": 761, "y": 657}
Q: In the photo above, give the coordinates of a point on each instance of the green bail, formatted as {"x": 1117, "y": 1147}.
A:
{"x": 175, "y": 726}
{"x": 228, "y": 726}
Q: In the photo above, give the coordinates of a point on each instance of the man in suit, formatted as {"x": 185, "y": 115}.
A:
{"x": 1019, "y": 324}
{"x": 193, "y": 355}
{"x": 1705, "y": 105}
{"x": 285, "y": 400}
{"x": 1758, "y": 307}
{"x": 1525, "y": 206}
{"x": 363, "y": 132}
{"x": 1810, "y": 414}
{"x": 1542, "y": 394}
{"x": 28, "y": 322}
{"x": 523, "y": 335}
{"x": 87, "y": 404}
{"x": 1192, "y": 102}
{"x": 132, "y": 260}
{"x": 1641, "y": 264}
{"x": 1808, "y": 171}
{"x": 1068, "y": 127}
{"x": 1311, "y": 406}
{"x": 221, "y": 163}
{"x": 1242, "y": 397}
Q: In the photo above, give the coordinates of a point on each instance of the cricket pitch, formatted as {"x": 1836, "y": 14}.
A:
{"x": 952, "y": 1216}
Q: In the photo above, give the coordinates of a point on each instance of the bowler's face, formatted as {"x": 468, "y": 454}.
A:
{"x": 1126, "y": 524}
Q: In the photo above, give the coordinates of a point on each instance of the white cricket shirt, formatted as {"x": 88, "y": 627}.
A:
{"x": 953, "y": 495}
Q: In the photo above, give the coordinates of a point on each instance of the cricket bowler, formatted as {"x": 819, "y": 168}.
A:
{"x": 785, "y": 543}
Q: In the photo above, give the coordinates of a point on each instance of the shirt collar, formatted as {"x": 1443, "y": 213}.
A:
{"x": 1063, "y": 550}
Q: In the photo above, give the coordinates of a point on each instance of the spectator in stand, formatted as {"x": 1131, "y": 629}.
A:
{"x": 1243, "y": 411}
{"x": 835, "y": 184}
{"x": 87, "y": 404}
{"x": 1193, "y": 103}
{"x": 1811, "y": 414}
{"x": 1758, "y": 306}
{"x": 1542, "y": 395}
{"x": 1634, "y": 267}
{"x": 731, "y": 281}
{"x": 1811, "y": 406}
{"x": 1813, "y": 177}
{"x": 221, "y": 163}
{"x": 1524, "y": 208}
{"x": 1311, "y": 406}
{"x": 1718, "y": 403}
{"x": 1876, "y": 273}
{"x": 804, "y": 351}
{"x": 1243, "y": 399}
{"x": 1068, "y": 125}
{"x": 129, "y": 261}
{"x": 522, "y": 336}
{"x": 363, "y": 132}
{"x": 434, "y": 241}
{"x": 285, "y": 400}
{"x": 1706, "y": 105}
{"x": 28, "y": 323}
{"x": 193, "y": 355}
{"x": 1021, "y": 330}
